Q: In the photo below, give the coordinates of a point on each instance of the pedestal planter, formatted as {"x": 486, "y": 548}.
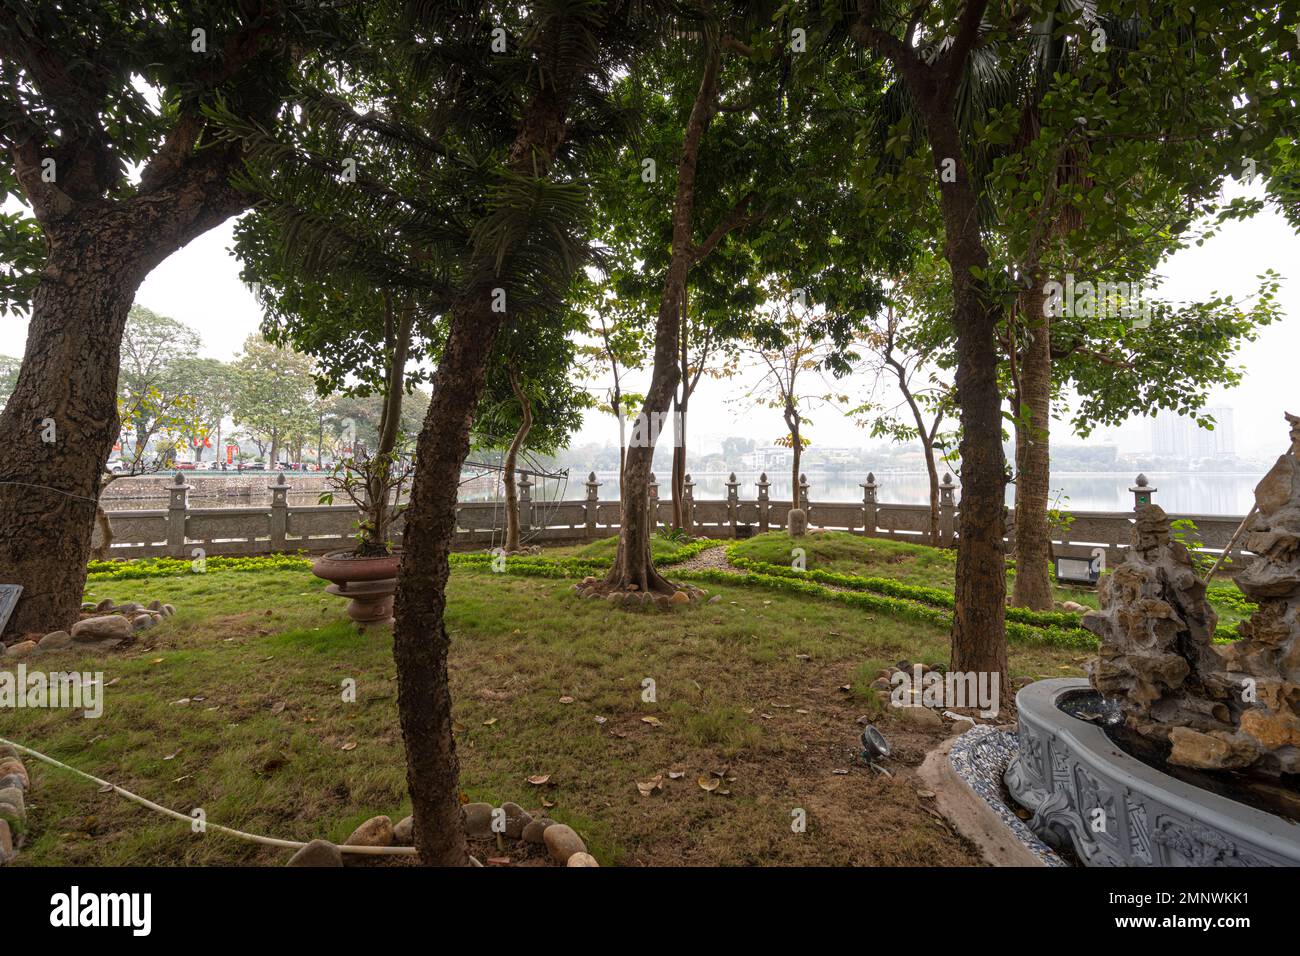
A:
{"x": 369, "y": 583}
{"x": 1114, "y": 810}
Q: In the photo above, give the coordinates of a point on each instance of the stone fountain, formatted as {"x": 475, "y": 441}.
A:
{"x": 1178, "y": 751}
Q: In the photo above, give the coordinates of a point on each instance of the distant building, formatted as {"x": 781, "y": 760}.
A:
{"x": 1178, "y": 436}
{"x": 767, "y": 459}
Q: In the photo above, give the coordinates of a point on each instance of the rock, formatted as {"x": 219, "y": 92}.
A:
{"x": 1215, "y": 751}
{"x": 156, "y": 605}
{"x": 87, "y": 605}
{"x": 13, "y": 774}
{"x": 106, "y": 627}
{"x": 1074, "y": 606}
{"x": 562, "y": 842}
{"x": 516, "y": 819}
{"x": 21, "y": 649}
{"x": 55, "y": 640}
{"x": 142, "y": 622}
{"x": 377, "y": 831}
{"x": 104, "y": 605}
{"x": 881, "y": 683}
{"x": 318, "y": 853}
{"x": 478, "y": 820}
{"x": 796, "y": 522}
{"x": 168, "y": 610}
{"x": 715, "y": 599}
{"x": 129, "y": 608}
{"x": 681, "y": 597}
{"x": 12, "y": 807}
{"x": 904, "y": 665}
{"x": 588, "y": 581}
{"x": 534, "y": 830}
{"x": 6, "y": 844}
{"x": 8, "y": 750}
{"x": 582, "y": 859}
{"x": 404, "y": 832}
{"x": 922, "y": 718}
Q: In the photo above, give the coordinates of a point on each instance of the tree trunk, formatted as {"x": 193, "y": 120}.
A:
{"x": 1033, "y": 588}
{"x": 508, "y": 466}
{"x": 979, "y": 619}
{"x": 932, "y": 472}
{"x": 633, "y": 563}
{"x": 67, "y": 393}
{"x": 420, "y": 641}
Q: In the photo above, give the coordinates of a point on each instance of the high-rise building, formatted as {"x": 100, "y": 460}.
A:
{"x": 1178, "y": 436}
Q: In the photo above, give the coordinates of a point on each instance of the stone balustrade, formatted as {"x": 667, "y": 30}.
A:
{"x": 182, "y": 531}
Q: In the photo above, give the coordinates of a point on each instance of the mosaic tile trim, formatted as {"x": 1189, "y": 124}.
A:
{"x": 980, "y": 757}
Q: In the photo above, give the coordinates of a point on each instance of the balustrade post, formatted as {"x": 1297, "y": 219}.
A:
{"x": 177, "y": 505}
{"x": 591, "y": 504}
{"x": 688, "y": 505}
{"x": 733, "y": 502}
{"x": 279, "y": 512}
{"x": 869, "y": 505}
{"x": 1142, "y": 492}
{"x": 525, "y": 503}
{"x": 947, "y": 511}
{"x": 763, "y": 485}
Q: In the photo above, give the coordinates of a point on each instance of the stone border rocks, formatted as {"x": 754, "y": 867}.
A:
{"x": 102, "y": 627}
{"x": 593, "y": 588}
{"x": 562, "y": 844}
{"x": 14, "y": 784}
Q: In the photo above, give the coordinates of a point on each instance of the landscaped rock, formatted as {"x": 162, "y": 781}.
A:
{"x": 516, "y": 819}
{"x": 478, "y": 820}
{"x": 562, "y": 842}
{"x": 142, "y": 622}
{"x": 13, "y": 774}
{"x": 880, "y": 683}
{"x": 21, "y": 649}
{"x": 12, "y": 807}
{"x": 105, "y": 627}
{"x": 377, "y": 831}
{"x": 168, "y": 610}
{"x": 404, "y": 832}
{"x": 681, "y": 597}
{"x": 154, "y": 605}
{"x": 923, "y": 718}
{"x": 104, "y": 605}
{"x": 6, "y": 843}
{"x": 534, "y": 830}
{"x": 8, "y": 750}
{"x": 318, "y": 853}
{"x": 55, "y": 640}
{"x": 582, "y": 859}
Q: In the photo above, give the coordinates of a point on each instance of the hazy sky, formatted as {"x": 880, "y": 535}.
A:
{"x": 200, "y": 286}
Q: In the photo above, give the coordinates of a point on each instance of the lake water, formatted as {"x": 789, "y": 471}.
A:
{"x": 1182, "y": 493}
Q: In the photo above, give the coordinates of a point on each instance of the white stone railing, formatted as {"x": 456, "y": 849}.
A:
{"x": 179, "y": 529}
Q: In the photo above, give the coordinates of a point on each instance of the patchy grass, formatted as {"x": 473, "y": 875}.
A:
{"x": 606, "y": 549}
{"x": 751, "y": 684}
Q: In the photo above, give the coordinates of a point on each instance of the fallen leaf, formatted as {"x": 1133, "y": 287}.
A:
{"x": 652, "y": 721}
{"x": 925, "y": 794}
{"x": 566, "y": 699}
{"x": 601, "y": 720}
{"x": 499, "y": 861}
{"x": 709, "y": 783}
{"x": 839, "y": 773}
{"x": 278, "y": 707}
{"x": 350, "y": 745}
{"x": 651, "y": 786}
{"x": 171, "y": 756}
{"x": 547, "y": 803}
{"x": 539, "y": 779}
{"x": 676, "y": 774}
{"x": 489, "y": 722}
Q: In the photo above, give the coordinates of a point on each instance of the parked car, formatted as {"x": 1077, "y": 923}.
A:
{"x": 186, "y": 466}
{"x": 117, "y": 466}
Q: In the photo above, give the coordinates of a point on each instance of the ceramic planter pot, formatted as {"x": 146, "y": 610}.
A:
{"x": 368, "y": 583}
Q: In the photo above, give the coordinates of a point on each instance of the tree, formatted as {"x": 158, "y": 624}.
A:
{"x": 481, "y": 208}
{"x": 529, "y": 401}
{"x": 904, "y": 344}
{"x": 150, "y": 383}
{"x": 103, "y": 121}
{"x": 785, "y": 369}
{"x": 210, "y": 383}
{"x": 274, "y": 391}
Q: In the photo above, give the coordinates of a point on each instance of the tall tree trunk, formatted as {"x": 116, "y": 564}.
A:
{"x": 60, "y": 423}
{"x": 979, "y": 620}
{"x": 932, "y": 472}
{"x": 1033, "y": 587}
{"x": 680, "y": 401}
{"x": 420, "y": 641}
{"x": 633, "y": 564}
{"x": 512, "y": 454}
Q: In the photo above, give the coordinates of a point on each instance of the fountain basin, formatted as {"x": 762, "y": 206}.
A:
{"x": 1111, "y": 809}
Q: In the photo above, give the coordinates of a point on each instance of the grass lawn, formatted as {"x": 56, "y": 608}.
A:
{"x": 846, "y": 553}
{"x": 235, "y": 705}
